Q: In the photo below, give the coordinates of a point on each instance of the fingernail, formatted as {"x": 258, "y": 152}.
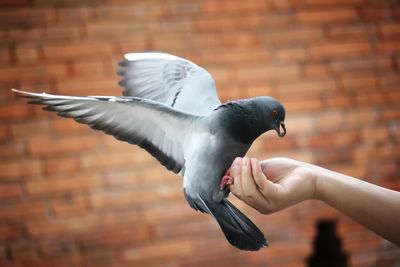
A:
{"x": 245, "y": 161}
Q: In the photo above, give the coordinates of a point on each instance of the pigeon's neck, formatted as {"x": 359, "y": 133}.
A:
{"x": 243, "y": 122}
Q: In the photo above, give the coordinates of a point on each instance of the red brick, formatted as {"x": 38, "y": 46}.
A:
{"x": 265, "y": 73}
{"x": 228, "y": 24}
{"x": 27, "y": 54}
{"x": 5, "y": 56}
{"x": 291, "y": 54}
{"x": 42, "y": 146}
{"x": 388, "y": 80}
{"x": 81, "y": 51}
{"x": 21, "y": 36}
{"x": 93, "y": 85}
{"x": 219, "y": 74}
{"x": 121, "y": 178}
{"x": 327, "y": 16}
{"x": 88, "y": 68}
{"x": 364, "y": 99}
{"x": 56, "y": 186}
{"x": 61, "y": 165}
{"x": 55, "y": 227}
{"x": 359, "y": 83}
{"x": 111, "y": 31}
{"x": 389, "y": 47}
{"x": 4, "y": 132}
{"x": 328, "y": 3}
{"x": 389, "y": 29}
{"x": 10, "y": 191}
{"x": 390, "y": 114}
{"x": 342, "y": 139}
{"x": 129, "y": 12}
{"x": 121, "y": 217}
{"x": 375, "y": 135}
{"x": 159, "y": 250}
{"x": 235, "y": 56}
{"x": 295, "y": 105}
{"x": 63, "y": 33}
{"x": 300, "y": 124}
{"x": 74, "y": 15}
{"x": 117, "y": 160}
{"x": 155, "y": 173}
{"x": 14, "y": 111}
{"x": 176, "y": 212}
{"x": 375, "y": 13}
{"x": 240, "y": 39}
{"x": 360, "y": 64}
{"x": 29, "y": 128}
{"x": 306, "y": 89}
{"x": 34, "y": 73}
{"x": 70, "y": 205}
{"x": 116, "y": 237}
{"x": 19, "y": 169}
{"x": 234, "y": 6}
{"x": 339, "y": 49}
{"x": 119, "y": 199}
{"x": 350, "y": 32}
{"x": 28, "y": 17}
{"x": 296, "y": 36}
{"x": 68, "y": 126}
{"x": 329, "y": 121}
{"x": 22, "y": 210}
{"x": 132, "y": 44}
{"x": 359, "y": 117}
{"x": 12, "y": 150}
{"x": 337, "y": 101}
{"x": 10, "y": 232}
{"x": 316, "y": 70}
{"x": 14, "y": 3}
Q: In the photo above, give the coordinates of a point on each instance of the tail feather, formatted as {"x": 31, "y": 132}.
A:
{"x": 238, "y": 229}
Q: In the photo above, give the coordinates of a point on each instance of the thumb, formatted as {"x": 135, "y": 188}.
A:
{"x": 267, "y": 188}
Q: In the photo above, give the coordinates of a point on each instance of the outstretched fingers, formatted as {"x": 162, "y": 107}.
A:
{"x": 245, "y": 188}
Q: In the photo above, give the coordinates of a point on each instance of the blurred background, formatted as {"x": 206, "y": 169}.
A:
{"x": 71, "y": 196}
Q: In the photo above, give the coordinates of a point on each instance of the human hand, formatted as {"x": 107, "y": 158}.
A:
{"x": 289, "y": 182}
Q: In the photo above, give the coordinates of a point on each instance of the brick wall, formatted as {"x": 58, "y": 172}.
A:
{"x": 70, "y": 196}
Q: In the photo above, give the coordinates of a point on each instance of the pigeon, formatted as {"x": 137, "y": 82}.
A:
{"x": 169, "y": 107}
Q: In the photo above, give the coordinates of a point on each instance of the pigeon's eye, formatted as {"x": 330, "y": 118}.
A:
{"x": 275, "y": 112}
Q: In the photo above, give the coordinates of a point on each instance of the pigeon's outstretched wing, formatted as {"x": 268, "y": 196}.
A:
{"x": 155, "y": 127}
{"x": 168, "y": 79}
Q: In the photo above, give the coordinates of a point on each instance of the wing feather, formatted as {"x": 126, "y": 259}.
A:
{"x": 169, "y": 79}
{"x": 157, "y": 128}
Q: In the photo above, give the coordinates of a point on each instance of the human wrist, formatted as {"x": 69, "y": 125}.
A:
{"x": 322, "y": 180}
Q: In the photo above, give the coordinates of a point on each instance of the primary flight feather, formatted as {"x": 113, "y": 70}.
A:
{"x": 171, "y": 109}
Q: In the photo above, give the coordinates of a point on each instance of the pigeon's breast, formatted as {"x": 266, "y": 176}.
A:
{"x": 209, "y": 156}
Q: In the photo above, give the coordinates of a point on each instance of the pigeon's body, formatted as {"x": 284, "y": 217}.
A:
{"x": 170, "y": 108}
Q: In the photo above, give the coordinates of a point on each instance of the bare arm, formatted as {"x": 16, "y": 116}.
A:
{"x": 290, "y": 182}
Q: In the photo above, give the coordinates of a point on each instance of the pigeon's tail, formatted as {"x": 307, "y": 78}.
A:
{"x": 238, "y": 229}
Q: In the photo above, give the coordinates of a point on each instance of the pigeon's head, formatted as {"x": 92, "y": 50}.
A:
{"x": 274, "y": 112}
{"x": 269, "y": 114}
{"x": 246, "y": 119}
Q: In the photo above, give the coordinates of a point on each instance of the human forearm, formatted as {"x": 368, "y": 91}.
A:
{"x": 277, "y": 183}
{"x": 375, "y": 207}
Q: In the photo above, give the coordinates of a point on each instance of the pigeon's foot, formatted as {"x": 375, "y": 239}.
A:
{"x": 226, "y": 180}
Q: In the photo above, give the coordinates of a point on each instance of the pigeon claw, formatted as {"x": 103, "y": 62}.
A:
{"x": 226, "y": 180}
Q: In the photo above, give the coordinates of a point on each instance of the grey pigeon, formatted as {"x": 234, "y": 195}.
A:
{"x": 171, "y": 109}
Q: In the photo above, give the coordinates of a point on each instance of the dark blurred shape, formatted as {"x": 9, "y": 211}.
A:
{"x": 327, "y": 247}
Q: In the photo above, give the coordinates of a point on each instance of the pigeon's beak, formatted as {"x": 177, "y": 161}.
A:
{"x": 281, "y": 124}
